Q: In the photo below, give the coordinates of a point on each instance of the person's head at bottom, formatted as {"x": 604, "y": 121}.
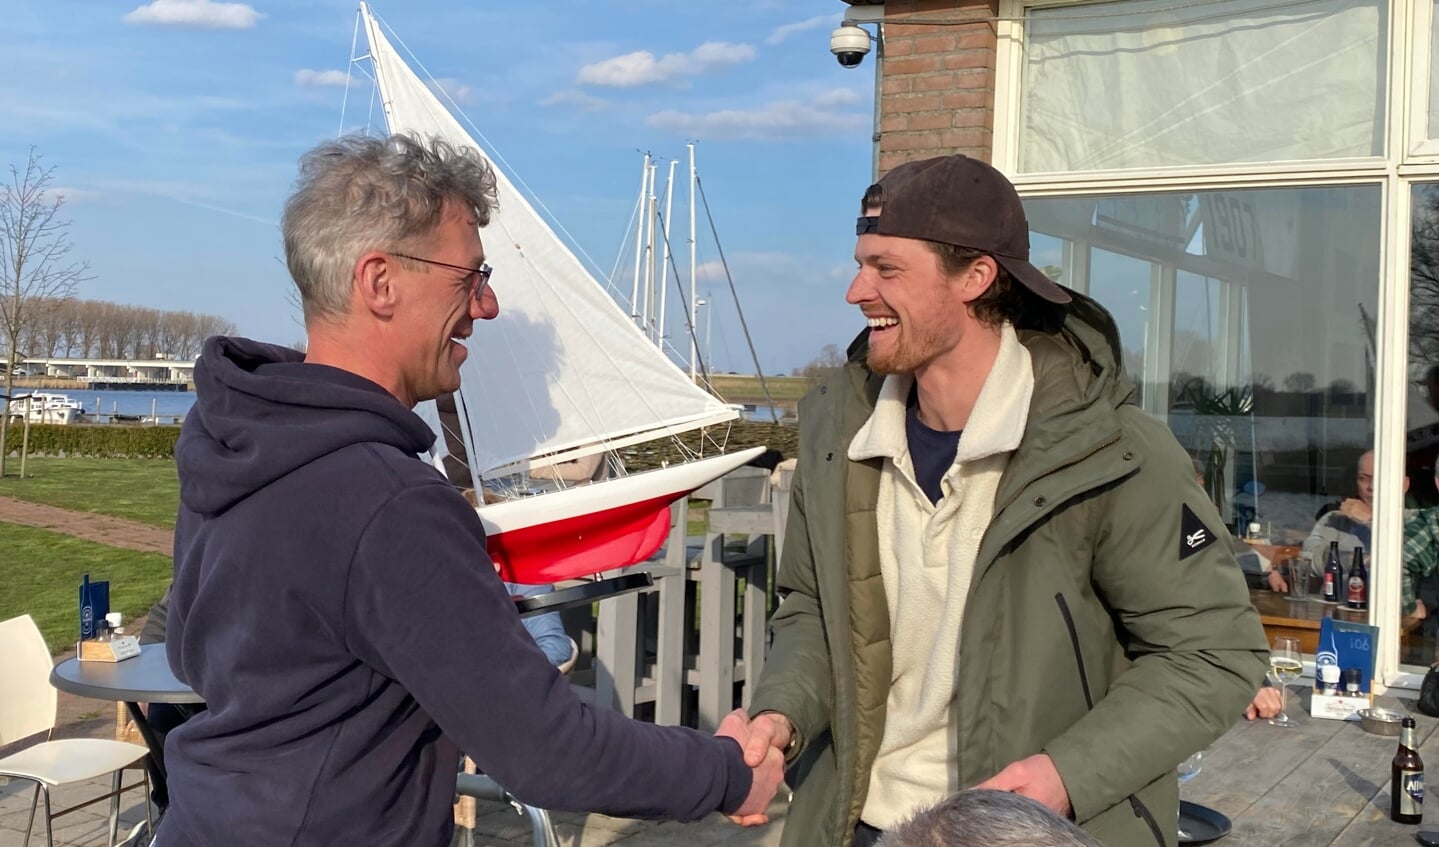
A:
{"x": 984, "y": 818}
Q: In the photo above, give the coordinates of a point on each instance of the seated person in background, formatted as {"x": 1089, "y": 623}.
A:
{"x": 547, "y": 629}
{"x": 982, "y": 817}
{"x": 1349, "y": 525}
{"x": 1421, "y": 566}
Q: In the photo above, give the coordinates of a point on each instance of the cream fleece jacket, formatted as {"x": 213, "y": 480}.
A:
{"x": 927, "y": 555}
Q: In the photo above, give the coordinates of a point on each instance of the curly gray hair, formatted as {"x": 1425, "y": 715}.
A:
{"x": 984, "y": 818}
{"x": 360, "y": 193}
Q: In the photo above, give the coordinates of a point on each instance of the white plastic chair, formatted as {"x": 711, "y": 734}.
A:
{"x": 28, "y": 706}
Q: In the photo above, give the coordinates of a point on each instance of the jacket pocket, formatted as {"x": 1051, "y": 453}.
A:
{"x": 1078, "y": 654}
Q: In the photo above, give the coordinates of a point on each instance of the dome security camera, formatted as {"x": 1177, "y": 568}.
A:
{"x": 849, "y": 43}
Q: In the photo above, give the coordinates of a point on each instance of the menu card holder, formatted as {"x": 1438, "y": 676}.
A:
{"x": 1350, "y": 647}
{"x": 114, "y": 650}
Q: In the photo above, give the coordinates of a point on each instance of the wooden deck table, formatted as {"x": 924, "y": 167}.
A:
{"x": 1323, "y": 782}
{"x": 1283, "y": 615}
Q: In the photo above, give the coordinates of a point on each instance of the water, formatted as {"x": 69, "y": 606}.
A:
{"x": 168, "y": 405}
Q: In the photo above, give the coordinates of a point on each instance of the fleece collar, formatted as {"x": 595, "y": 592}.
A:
{"x": 995, "y": 426}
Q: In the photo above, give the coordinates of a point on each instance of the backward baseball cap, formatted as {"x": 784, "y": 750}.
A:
{"x": 964, "y": 202}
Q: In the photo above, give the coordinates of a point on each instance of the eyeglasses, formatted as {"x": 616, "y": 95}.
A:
{"x": 475, "y": 278}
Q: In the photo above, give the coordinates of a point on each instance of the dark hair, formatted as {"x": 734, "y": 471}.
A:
{"x": 1004, "y": 300}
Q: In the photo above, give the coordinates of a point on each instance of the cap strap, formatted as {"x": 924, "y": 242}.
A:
{"x": 866, "y": 225}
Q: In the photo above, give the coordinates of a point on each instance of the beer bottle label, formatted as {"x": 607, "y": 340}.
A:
{"x": 1411, "y": 795}
{"x": 1356, "y": 590}
{"x": 1329, "y": 585}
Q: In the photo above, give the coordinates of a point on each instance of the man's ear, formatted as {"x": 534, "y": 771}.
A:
{"x": 977, "y": 278}
{"x": 373, "y": 282}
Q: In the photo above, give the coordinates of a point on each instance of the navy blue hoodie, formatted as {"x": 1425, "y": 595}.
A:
{"x": 334, "y": 606}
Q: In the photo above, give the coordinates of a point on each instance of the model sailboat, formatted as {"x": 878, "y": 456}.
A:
{"x": 563, "y": 374}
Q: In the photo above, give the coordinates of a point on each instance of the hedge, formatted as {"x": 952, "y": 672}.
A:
{"x": 115, "y": 441}
{"x": 158, "y": 442}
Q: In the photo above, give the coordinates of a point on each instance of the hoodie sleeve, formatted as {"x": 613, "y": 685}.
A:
{"x": 426, "y": 608}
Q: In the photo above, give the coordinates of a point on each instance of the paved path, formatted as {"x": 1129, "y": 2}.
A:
{"x": 496, "y": 825}
{"x": 102, "y": 529}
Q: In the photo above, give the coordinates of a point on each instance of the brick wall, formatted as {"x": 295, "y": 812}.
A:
{"x": 938, "y": 89}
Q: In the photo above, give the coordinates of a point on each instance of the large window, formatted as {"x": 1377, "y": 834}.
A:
{"x": 1252, "y": 188}
{"x": 1146, "y": 83}
{"x": 1247, "y": 318}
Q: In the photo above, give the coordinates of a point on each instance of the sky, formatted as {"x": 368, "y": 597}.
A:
{"x": 174, "y": 128}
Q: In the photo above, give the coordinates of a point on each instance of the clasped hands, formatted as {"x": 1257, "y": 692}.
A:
{"x": 769, "y": 733}
{"x": 763, "y": 753}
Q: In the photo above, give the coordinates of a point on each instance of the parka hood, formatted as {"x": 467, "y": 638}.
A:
{"x": 261, "y": 411}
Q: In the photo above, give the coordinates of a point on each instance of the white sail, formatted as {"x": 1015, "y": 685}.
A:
{"x": 563, "y": 372}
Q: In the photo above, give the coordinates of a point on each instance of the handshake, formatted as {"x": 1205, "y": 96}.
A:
{"x": 763, "y": 739}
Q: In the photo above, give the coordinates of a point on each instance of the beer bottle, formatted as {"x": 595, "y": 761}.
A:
{"x": 1357, "y": 595}
{"x": 1406, "y": 786}
{"x": 1333, "y": 576}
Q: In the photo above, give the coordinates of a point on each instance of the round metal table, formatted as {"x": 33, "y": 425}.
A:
{"x": 146, "y": 678}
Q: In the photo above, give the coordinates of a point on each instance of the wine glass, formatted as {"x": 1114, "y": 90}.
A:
{"x": 1285, "y": 665}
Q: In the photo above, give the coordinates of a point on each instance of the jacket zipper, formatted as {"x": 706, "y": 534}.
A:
{"x": 1140, "y": 810}
{"x": 1074, "y": 641}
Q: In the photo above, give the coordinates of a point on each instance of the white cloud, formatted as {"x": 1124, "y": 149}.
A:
{"x": 776, "y": 120}
{"x": 780, "y": 33}
{"x": 838, "y": 97}
{"x": 204, "y": 14}
{"x": 461, "y": 94}
{"x": 308, "y": 77}
{"x": 642, "y": 68}
{"x": 579, "y": 99}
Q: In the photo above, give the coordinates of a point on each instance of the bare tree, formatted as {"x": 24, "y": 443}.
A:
{"x": 830, "y": 359}
{"x": 36, "y": 269}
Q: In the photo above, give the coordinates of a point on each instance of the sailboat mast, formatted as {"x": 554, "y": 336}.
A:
{"x": 665, "y": 261}
{"x": 694, "y": 341}
{"x": 640, "y": 239}
{"x": 649, "y": 324}
{"x": 372, "y": 28}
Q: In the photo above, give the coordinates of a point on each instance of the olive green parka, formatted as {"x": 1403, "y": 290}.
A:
{"x": 1087, "y": 635}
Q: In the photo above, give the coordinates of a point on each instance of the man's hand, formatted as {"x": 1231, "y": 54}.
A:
{"x": 1276, "y": 580}
{"x": 1356, "y": 509}
{"x": 1265, "y": 704}
{"x": 769, "y": 730}
{"x": 1035, "y": 778}
{"x": 768, "y": 766}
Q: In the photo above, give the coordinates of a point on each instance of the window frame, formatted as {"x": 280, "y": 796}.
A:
{"x": 1409, "y": 158}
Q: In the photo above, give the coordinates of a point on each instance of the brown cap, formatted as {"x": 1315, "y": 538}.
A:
{"x": 965, "y": 202}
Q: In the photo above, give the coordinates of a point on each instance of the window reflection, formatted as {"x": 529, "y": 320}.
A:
{"x": 1247, "y": 317}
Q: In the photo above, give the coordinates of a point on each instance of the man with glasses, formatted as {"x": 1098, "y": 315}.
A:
{"x": 333, "y": 602}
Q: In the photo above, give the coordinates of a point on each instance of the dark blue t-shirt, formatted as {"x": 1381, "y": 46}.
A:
{"x": 931, "y": 451}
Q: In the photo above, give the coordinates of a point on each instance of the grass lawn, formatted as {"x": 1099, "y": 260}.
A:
{"x": 144, "y": 490}
{"x": 41, "y": 572}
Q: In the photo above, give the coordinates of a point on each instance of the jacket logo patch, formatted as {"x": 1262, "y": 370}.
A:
{"x": 1193, "y": 534}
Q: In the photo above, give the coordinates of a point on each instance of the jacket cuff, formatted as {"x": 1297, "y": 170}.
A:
{"x": 740, "y": 777}
{"x": 1069, "y": 764}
